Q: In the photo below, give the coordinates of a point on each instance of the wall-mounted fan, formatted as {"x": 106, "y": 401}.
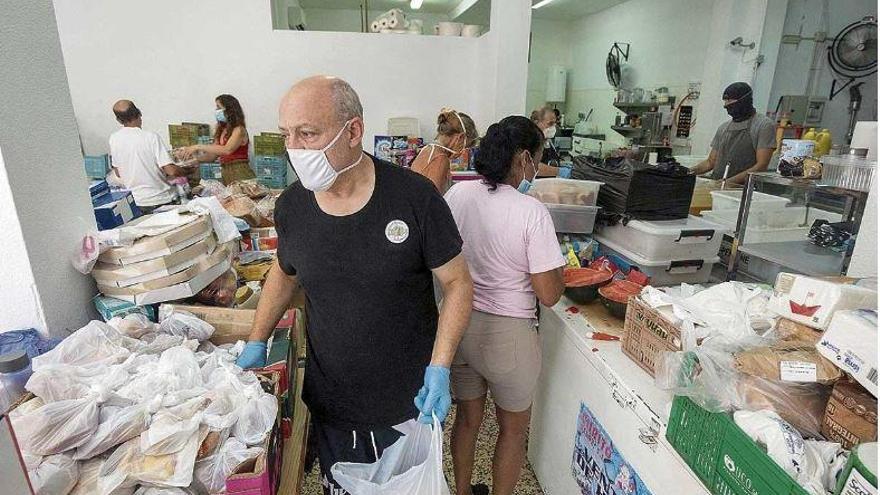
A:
{"x": 612, "y": 63}
{"x": 853, "y": 53}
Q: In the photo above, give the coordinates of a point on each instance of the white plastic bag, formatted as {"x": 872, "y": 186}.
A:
{"x": 171, "y": 428}
{"x": 56, "y": 475}
{"x": 58, "y": 426}
{"x": 255, "y": 419}
{"x": 133, "y": 325}
{"x": 117, "y": 425}
{"x": 212, "y": 471}
{"x": 413, "y": 464}
{"x": 186, "y": 324}
{"x": 88, "y": 479}
{"x": 95, "y": 344}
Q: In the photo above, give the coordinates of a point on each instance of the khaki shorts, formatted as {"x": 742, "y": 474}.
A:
{"x": 500, "y": 354}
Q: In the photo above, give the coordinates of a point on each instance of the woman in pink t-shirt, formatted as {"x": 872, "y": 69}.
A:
{"x": 514, "y": 257}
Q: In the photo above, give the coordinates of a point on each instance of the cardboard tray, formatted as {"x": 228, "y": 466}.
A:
{"x": 230, "y": 324}
{"x": 151, "y": 247}
{"x": 109, "y": 274}
{"x": 178, "y": 291}
{"x": 202, "y": 264}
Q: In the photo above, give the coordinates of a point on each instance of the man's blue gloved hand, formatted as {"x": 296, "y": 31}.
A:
{"x": 434, "y": 396}
{"x": 253, "y": 355}
{"x": 564, "y": 173}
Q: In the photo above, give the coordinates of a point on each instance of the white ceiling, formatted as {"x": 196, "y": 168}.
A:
{"x": 564, "y": 10}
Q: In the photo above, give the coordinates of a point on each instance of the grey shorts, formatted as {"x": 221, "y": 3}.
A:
{"x": 500, "y": 354}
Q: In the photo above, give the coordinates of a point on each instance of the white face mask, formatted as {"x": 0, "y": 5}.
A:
{"x": 550, "y": 132}
{"x": 313, "y": 167}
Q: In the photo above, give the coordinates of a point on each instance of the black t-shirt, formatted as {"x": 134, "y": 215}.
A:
{"x": 370, "y": 301}
{"x": 551, "y": 154}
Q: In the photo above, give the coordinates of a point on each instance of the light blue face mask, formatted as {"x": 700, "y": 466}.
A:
{"x": 220, "y": 115}
{"x": 525, "y": 185}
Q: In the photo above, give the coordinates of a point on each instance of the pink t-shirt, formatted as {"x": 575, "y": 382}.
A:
{"x": 507, "y": 236}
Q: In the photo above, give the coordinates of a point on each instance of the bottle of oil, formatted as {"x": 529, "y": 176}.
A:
{"x": 810, "y": 134}
{"x": 823, "y": 142}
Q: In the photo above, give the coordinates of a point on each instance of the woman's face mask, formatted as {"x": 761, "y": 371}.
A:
{"x": 525, "y": 184}
{"x": 313, "y": 167}
{"x": 220, "y": 115}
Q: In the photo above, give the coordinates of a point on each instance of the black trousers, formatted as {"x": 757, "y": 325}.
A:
{"x": 360, "y": 446}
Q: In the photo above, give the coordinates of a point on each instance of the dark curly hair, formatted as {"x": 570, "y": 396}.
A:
{"x": 503, "y": 140}
{"x": 234, "y": 116}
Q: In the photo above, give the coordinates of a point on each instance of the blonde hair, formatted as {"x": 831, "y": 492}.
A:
{"x": 539, "y": 113}
{"x": 451, "y": 122}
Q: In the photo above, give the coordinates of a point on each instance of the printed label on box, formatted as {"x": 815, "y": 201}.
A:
{"x": 856, "y": 484}
{"x": 797, "y": 371}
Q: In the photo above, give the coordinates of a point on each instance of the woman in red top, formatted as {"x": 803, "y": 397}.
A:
{"x": 230, "y": 142}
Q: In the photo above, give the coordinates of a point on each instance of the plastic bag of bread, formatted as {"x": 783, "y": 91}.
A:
{"x": 95, "y": 344}
{"x": 788, "y": 363}
{"x": 117, "y": 425}
{"x": 172, "y": 427}
{"x": 266, "y": 207}
{"x": 58, "y": 426}
{"x": 241, "y": 206}
{"x": 256, "y": 418}
{"x": 213, "y": 470}
{"x": 794, "y": 332}
{"x": 164, "y": 490}
{"x": 802, "y": 405}
{"x": 55, "y": 383}
{"x": 88, "y": 479}
{"x": 55, "y": 475}
{"x": 186, "y": 324}
{"x": 250, "y": 188}
{"x": 133, "y": 325}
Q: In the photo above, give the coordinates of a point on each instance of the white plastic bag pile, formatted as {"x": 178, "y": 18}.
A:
{"x": 166, "y": 412}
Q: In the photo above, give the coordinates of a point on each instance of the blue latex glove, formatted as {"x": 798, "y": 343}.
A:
{"x": 434, "y": 396}
{"x": 253, "y": 355}
{"x": 564, "y": 173}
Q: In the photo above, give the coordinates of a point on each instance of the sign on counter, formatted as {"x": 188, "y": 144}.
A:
{"x": 597, "y": 466}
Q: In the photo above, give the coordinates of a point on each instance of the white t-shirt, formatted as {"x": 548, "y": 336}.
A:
{"x": 139, "y": 156}
{"x": 507, "y": 237}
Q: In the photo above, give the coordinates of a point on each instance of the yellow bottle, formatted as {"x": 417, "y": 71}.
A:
{"x": 810, "y": 134}
{"x": 823, "y": 142}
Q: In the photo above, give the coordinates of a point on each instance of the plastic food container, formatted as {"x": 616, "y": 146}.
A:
{"x": 691, "y": 237}
{"x": 792, "y": 216}
{"x": 15, "y": 370}
{"x": 848, "y": 172}
{"x": 573, "y": 219}
{"x": 569, "y": 192}
{"x": 730, "y": 200}
{"x": 665, "y": 272}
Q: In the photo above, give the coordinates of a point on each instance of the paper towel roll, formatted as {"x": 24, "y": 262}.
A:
{"x": 374, "y": 27}
{"x": 865, "y": 136}
{"x": 393, "y": 22}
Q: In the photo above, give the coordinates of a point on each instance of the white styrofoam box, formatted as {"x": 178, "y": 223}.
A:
{"x": 791, "y": 216}
{"x": 687, "y": 238}
{"x": 570, "y": 192}
{"x": 813, "y": 301}
{"x": 664, "y": 272}
{"x": 730, "y": 199}
{"x": 851, "y": 343}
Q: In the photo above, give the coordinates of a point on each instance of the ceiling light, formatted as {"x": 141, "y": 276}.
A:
{"x": 539, "y": 4}
{"x": 415, "y": 4}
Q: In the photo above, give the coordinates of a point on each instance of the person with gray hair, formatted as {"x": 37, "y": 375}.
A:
{"x": 363, "y": 238}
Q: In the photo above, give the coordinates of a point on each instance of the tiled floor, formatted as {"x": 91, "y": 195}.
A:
{"x": 528, "y": 485}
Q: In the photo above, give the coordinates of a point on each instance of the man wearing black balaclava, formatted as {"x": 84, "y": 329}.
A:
{"x": 742, "y": 145}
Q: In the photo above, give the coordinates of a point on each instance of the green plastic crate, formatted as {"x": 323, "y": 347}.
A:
{"x": 725, "y": 459}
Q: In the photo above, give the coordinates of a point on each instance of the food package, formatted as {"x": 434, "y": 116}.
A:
{"x": 255, "y": 419}
{"x": 266, "y": 207}
{"x": 186, "y": 324}
{"x": 55, "y": 475}
{"x": 88, "y": 479}
{"x": 241, "y": 206}
{"x": 171, "y": 427}
{"x": 58, "y": 426}
{"x": 220, "y": 292}
{"x": 250, "y": 188}
{"x": 95, "y": 344}
{"x": 117, "y": 425}
{"x": 787, "y": 363}
{"x": 252, "y": 266}
{"x": 213, "y": 471}
{"x": 802, "y": 405}
{"x": 53, "y": 384}
{"x": 851, "y": 343}
{"x": 851, "y": 415}
{"x": 796, "y": 333}
{"x": 813, "y": 301}
{"x": 133, "y": 325}
{"x": 128, "y": 465}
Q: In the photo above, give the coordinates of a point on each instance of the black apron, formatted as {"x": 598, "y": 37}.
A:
{"x": 736, "y": 151}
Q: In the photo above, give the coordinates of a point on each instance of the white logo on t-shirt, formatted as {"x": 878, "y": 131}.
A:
{"x": 397, "y": 231}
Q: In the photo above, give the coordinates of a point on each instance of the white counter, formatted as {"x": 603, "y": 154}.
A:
{"x": 619, "y": 394}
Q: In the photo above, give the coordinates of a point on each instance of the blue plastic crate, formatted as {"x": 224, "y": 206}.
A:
{"x": 270, "y": 166}
{"x": 97, "y": 166}
{"x": 273, "y": 182}
{"x": 210, "y": 171}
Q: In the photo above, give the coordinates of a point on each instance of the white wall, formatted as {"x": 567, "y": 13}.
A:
{"x": 502, "y": 58}
{"x": 792, "y": 74}
{"x": 43, "y": 189}
{"x": 174, "y": 70}
{"x": 551, "y": 45}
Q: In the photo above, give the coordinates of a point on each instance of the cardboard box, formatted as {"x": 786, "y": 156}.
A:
{"x": 109, "y": 307}
{"x": 151, "y": 247}
{"x": 813, "y": 301}
{"x": 851, "y": 415}
{"x": 179, "y": 291}
{"x": 123, "y": 276}
{"x": 646, "y": 332}
{"x": 98, "y": 188}
{"x": 203, "y": 263}
{"x": 851, "y": 343}
{"x": 115, "y": 209}
{"x": 260, "y": 239}
{"x": 230, "y": 324}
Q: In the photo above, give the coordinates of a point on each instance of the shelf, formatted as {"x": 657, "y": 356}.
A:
{"x": 803, "y": 184}
{"x": 799, "y": 256}
{"x": 642, "y": 105}
{"x": 626, "y": 129}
